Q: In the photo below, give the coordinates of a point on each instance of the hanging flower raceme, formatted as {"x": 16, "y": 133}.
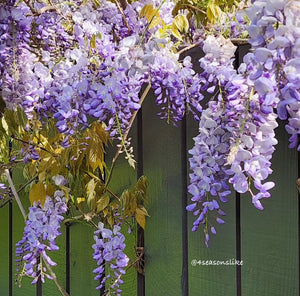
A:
{"x": 108, "y": 251}
{"x": 275, "y": 38}
{"x": 40, "y": 233}
{"x": 236, "y": 139}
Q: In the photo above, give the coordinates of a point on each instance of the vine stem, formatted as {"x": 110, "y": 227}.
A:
{"x": 15, "y": 193}
{"x": 126, "y": 133}
{"x": 35, "y": 145}
{"x": 195, "y": 8}
{"x": 188, "y": 48}
{"x": 123, "y": 15}
{"x": 53, "y": 275}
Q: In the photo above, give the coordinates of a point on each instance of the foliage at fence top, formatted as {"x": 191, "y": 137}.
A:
{"x": 74, "y": 75}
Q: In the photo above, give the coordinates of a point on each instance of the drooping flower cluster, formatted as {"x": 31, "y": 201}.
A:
{"x": 208, "y": 177}
{"x": 236, "y": 138}
{"x": 108, "y": 252}
{"x": 275, "y": 37}
{"x": 175, "y": 85}
{"x": 40, "y": 233}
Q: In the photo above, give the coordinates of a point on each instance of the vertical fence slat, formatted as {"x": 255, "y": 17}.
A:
{"x": 238, "y": 244}
{"x": 10, "y": 247}
{"x": 68, "y": 259}
{"x": 163, "y": 251}
{"x": 298, "y": 185}
{"x": 4, "y": 251}
{"x": 39, "y": 284}
{"x": 184, "y": 220}
{"x": 140, "y": 230}
{"x": 298, "y": 156}
{"x": 81, "y": 261}
{"x": 269, "y": 238}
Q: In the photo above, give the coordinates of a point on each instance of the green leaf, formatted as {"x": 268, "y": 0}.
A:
{"x": 142, "y": 185}
{"x": 37, "y": 193}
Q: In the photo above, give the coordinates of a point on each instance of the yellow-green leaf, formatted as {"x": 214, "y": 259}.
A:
{"x": 181, "y": 23}
{"x": 37, "y": 193}
{"x": 97, "y": 3}
{"x": 176, "y": 33}
{"x": 147, "y": 12}
{"x": 102, "y": 203}
{"x": 65, "y": 190}
{"x": 155, "y": 22}
{"x": 80, "y": 202}
{"x": 110, "y": 220}
{"x": 4, "y": 124}
{"x": 94, "y": 155}
{"x": 213, "y": 12}
{"x": 91, "y": 193}
{"x": 140, "y": 217}
{"x": 93, "y": 41}
{"x": 144, "y": 211}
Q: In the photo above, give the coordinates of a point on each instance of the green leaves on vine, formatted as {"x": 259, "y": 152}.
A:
{"x": 133, "y": 201}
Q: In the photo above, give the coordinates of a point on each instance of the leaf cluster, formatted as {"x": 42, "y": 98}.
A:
{"x": 133, "y": 201}
{"x": 204, "y": 11}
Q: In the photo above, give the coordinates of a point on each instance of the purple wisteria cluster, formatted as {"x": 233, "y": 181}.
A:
{"x": 39, "y": 237}
{"x": 4, "y": 191}
{"x": 275, "y": 38}
{"x": 76, "y": 61}
{"x": 208, "y": 178}
{"x": 236, "y": 135}
{"x": 176, "y": 86}
{"x": 109, "y": 252}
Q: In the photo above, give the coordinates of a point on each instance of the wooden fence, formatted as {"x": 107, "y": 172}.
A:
{"x": 267, "y": 241}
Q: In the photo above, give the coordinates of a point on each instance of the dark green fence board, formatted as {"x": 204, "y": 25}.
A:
{"x": 269, "y": 237}
{"x": 163, "y": 253}
{"x": 82, "y": 264}
{"x": 4, "y": 250}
